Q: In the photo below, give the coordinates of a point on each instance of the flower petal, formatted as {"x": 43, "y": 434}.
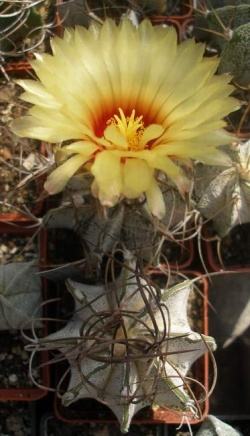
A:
{"x": 44, "y": 124}
{"x": 112, "y": 134}
{"x": 59, "y": 178}
{"x": 38, "y": 94}
{"x": 137, "y": 176}
{"x": 82, "y": 147}
{"x": 172, "y": 171}
{"x": 108, "y": 177}
{"x": 151, "y": 132}
{"x": 155, "y": 200}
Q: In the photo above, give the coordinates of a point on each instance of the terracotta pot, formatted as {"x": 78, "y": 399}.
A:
{"x": 17, "y": 69}
{"x": 186, "y": 10}
{"x": 244, "y": 132}
{"x": 88, "y": 410}
{"x": 27, "y": 393}
{"x": 13, "y": 71}
{"x": 184, "y": 254}
{"x": 230, "y": 253}
{"x": 49, "y": 424}
{"x": 185, "y": 27}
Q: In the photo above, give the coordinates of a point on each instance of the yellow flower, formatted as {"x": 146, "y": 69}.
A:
{"x": 134, "y": 105}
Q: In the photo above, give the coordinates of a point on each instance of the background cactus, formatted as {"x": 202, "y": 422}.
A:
{"x": 235, "y": 56}
{"x": 224, "y": 20}
{"x": 20, "y": 295}
{"x": 224, "y": 195}
{"x": 19, "y": 21}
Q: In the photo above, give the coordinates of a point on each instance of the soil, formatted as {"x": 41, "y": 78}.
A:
{"x": 15, "y": 419}
{"x": 51, "y": 426}
{"x": 17, "y": 248}
{"x": 234, "y": 248}
{"x": 17, "y": 155}
{"x": 59, "y": 428}
{"x": 14, "y": 362}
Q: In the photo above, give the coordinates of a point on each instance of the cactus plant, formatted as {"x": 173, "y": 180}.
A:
{"x": 19, "y": 21}
{"x": 224, "y": 195}
{"x": 235, "y": 56}
{"x": 20, "y": 295}
{"x": 129, "y": 344}
{"x": 224, "y": 20}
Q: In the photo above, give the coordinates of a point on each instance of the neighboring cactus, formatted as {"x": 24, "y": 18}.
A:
{"x": 224, "y": 195}
{"x": 221, "y": 3}
{"x": 18, "y": 21}
{"x": 225, "y": 20}
{"x": 24, "y": 26}
{"x": 20, "y": 295}
{"x": 80, "y": 12}
{"x": 227, "y": 29}
{"x": 129, "y": 344}
{"x": 235, "y": 56}
{"x": 215, "y": 22}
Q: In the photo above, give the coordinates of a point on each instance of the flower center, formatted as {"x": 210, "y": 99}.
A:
{"x": 130, "y": 127}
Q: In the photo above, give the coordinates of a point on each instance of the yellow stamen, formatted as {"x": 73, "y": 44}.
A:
{"x": 130, "y": 127}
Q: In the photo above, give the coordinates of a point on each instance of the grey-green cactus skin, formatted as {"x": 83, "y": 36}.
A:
{"x": 130, "y": 345}
{"x": 20, "y": 295}
{"x": 224, "y": 194}
{"x": 224, "y": 20}
{"x": 235, "y": 56}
